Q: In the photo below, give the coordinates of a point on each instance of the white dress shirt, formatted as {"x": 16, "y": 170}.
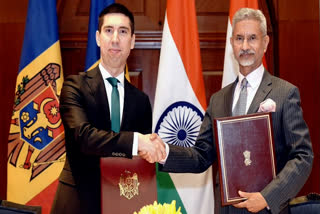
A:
{"x": 254, "y": 79}
{"x": 105, "y": 74}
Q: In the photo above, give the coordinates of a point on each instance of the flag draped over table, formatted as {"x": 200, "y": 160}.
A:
{"x": 36, "y": 149}
{"x": 179, "y": 106}
{"x": 231, "y": 66}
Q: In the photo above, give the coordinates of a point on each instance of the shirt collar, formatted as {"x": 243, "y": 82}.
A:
{"x": 105, "y": 74}
{"x": 254, "y": 78}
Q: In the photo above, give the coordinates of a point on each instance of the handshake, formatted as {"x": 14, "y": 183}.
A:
{"x": 151, "y": 148}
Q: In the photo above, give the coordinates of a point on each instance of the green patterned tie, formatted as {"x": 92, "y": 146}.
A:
{"x": 115, "y": 105}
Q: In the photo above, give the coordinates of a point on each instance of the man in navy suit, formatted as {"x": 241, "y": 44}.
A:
{"x": 85, "y": 106}
{"x": 293, "y": 147}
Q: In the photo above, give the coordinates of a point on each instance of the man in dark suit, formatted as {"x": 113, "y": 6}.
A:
{"x": 293, "y": 148}
{"x": 86, "y": 110}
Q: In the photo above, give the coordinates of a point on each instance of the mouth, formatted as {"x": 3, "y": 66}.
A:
{"x": 114, "y": 51}
{"x": 246, "y": 55}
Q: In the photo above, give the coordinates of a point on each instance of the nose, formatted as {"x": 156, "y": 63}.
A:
{"x": 115, "y": 36}
{"x": 245, "y": 44}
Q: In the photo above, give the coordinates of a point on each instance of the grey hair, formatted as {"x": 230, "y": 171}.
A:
{"x": 250, "y": 14}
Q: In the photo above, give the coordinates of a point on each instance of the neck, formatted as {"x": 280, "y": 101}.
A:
{"x": 113, "y": 71}
{"x": 245, "y": 70}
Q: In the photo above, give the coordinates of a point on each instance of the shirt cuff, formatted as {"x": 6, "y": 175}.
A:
{"x": 135, "y": 144}
{"x": 163, "y": 161}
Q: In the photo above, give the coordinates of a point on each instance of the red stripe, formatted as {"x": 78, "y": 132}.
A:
{"x": 182, "y": 23}
{"x": 45, "y": 198}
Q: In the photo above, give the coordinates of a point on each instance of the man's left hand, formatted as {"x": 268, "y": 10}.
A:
{"x": 254, "y": 203}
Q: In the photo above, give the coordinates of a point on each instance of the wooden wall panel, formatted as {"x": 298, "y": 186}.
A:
{"x": 299, "y": 55}
{"x": 212, "y": 81}
{"x": 293, "y": 10}
{"x": 145, "y": 62}
{"x": 212, "y": 15}
{"x": 212, "y": 65}
{"x": 73, "y": 17}
{"x": 147, "y": 14}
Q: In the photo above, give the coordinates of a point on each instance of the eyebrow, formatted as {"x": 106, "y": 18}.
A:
{"x": 247, "y": 36}
{"x": 253, "y": 34}
{"x": 121, "y": 27}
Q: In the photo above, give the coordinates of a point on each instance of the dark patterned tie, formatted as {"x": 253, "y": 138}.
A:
{"x": 115, "y": 105}
{"x": 240, "y": 108}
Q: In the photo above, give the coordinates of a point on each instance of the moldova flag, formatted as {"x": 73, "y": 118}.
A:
{"x": 36, "y": 151}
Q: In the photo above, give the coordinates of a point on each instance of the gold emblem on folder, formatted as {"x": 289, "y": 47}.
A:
{"x": 247, "y": 160}
{"x": 129, "y": 185}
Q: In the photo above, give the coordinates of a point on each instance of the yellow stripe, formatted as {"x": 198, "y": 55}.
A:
{"x": 94, "y": 65}
{"x": 127, "y": 73}
{"x": 20, "y": 188}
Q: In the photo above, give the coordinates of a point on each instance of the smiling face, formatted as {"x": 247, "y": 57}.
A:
{"x": 115, "y": 42}
{"x": 249, "y": 45}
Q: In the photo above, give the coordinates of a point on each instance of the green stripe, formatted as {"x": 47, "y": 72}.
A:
{"x": 167, "y": 191}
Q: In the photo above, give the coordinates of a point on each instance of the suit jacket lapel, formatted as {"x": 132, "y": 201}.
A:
{"x": 126, "y": 104}
{"x": 229, "y": 99}
{"x": 262, "y": 92}
{"x": 98, "y": 91}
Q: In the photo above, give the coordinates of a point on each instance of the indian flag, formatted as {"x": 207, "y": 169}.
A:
{"x": 179, "y": 106}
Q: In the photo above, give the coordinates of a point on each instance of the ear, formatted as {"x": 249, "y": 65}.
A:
{"x": 98, "y": 38}
{"x": 133, "y": 40}
{"x": 266, "y": 40}
{"x": 231, "y": 41}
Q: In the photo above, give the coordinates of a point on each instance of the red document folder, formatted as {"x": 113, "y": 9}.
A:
{"x": 126, "y": 184}
{"x": 245, "y": 153}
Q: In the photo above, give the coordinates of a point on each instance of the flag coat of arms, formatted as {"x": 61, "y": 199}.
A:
{"x": 231, "y": 66}
{"x": 179, "y": 106}
{"x": 36, "y": 149}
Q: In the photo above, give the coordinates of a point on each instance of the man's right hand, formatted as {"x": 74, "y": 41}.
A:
{"x": 151, "y": 148}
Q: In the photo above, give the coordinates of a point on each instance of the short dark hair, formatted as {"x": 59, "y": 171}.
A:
{"x": 116, "y": 8}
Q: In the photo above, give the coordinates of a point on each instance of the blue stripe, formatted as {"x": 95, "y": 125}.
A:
{"x": 41, "y": 30}
{"x": 93, "y": 51}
